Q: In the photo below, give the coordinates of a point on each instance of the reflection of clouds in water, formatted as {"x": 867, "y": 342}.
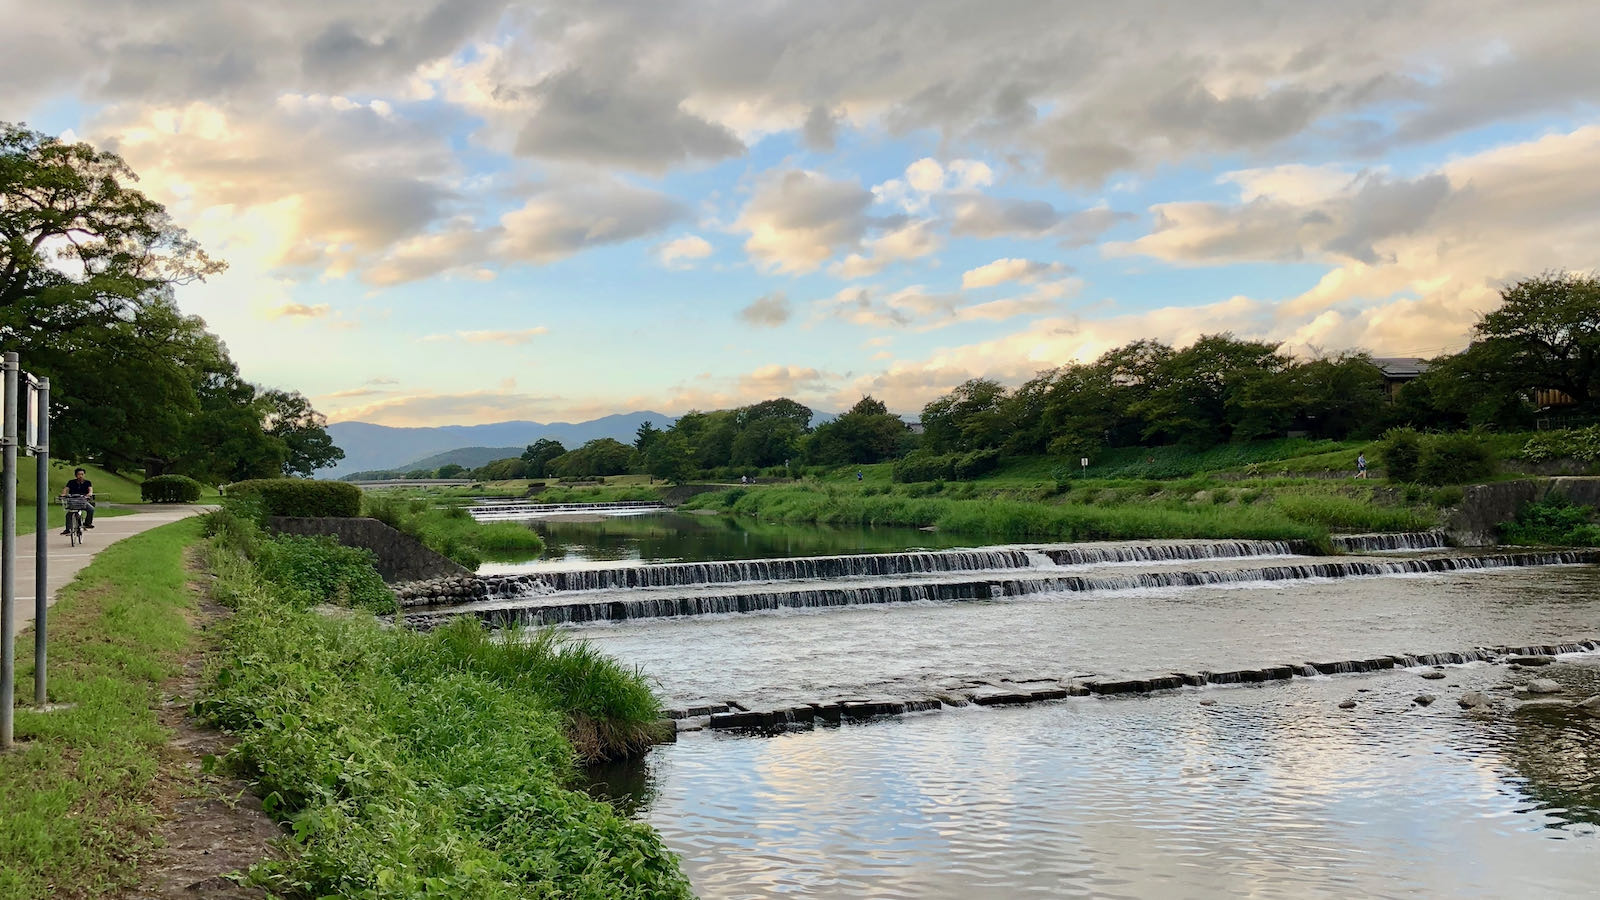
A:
{"x": 1274, "y": 792}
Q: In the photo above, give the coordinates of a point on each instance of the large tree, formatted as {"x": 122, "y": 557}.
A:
{"x": 537, "y": 456}
{"x": 88, "y": 268}
{"x": 1546, "y": 335}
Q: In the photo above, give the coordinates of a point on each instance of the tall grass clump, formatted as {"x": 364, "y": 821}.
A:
{"x": 411, "y": 765}
{"x": 1339, "y": 513}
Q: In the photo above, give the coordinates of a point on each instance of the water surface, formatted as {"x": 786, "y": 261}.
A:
{"x": 1273, "y": 792}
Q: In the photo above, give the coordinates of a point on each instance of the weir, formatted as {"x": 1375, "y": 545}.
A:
{"x": 1389, "y": 543}
{"x": 495, "y": 510}
{"x": 621, "y": 605}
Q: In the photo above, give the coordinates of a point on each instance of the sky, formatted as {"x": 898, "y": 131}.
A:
{"x": 467, "y": 211}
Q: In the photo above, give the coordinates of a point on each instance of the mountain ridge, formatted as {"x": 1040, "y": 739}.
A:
{"x": 368, "y": 446}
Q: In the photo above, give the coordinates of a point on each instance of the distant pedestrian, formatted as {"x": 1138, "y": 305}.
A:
{"x": 1361, "y": 465}
{"x": 858, "y": 476}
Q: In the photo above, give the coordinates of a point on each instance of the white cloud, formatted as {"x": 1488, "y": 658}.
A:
{"x": 798, "y": 219}
{"x": 677, "y": 252}
{"x": 300, "y": 311}
{"x": 1010, "y": 269}
{"x": 558, "y": 223}
{"x": 510, "y": 338}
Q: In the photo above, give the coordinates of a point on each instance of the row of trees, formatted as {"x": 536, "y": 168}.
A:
{"x": 1541, "y": 345}
{"x": 88, "y": 267}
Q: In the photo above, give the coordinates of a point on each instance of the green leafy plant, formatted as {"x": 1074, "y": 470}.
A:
{"x": 299, "y": 496}
{"x": 170, "y": 489}
{"x": 1553, "y": 520}
{"x": 321, "y": 570}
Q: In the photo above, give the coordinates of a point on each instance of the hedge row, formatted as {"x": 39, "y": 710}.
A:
{"x": 299, "y": 496}
{"x": 170, "y": 489}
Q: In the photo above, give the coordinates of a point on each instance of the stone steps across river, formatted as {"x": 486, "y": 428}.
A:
{"x": 735, "y": 716}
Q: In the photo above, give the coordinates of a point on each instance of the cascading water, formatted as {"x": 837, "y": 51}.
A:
{"x": 564, "y": 607}
{"x": 1390, "y": 543}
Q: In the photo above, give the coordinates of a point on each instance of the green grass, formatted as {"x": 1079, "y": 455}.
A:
{"x": 451, "y": 531}
{"x": 77, "y": 795}
{"x": 123, "y": 488}
{"x": 1090, "y": 509}
{"x": 435, "y": 765}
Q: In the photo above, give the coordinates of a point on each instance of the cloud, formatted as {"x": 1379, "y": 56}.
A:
{"x": 798, "y": 219}
{"x": 916, "y": 308}
{"x": 983, "y": 216}
{"x": 509, "y": 338}
{"x": 1003, "y": 270}
{"x": 623, "y": 120}
{"x": 911, "y": 241}
{"x": 300, "y": 311}
{"x": 821, "y": 129}
{"x": 560, "y": 222}
{"x": 1350, "y": 223}
{"x": 767, "y": 311}
{"x": 427, "y": 409}
{"x": 676, "y": 253}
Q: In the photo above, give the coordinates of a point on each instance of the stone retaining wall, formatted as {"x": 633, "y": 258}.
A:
{"x": 400, "y": 557}
{"x": 1486, "y": 505}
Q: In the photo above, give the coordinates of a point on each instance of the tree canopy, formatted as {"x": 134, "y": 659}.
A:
{"x": 88, "y": 267}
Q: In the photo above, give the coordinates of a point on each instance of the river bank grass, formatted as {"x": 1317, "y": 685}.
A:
{"x": 450, "y": 530}
{"x": 1276, "y": 509}
{"x": 76, "y": 810}
{"x": 411, "y": 764}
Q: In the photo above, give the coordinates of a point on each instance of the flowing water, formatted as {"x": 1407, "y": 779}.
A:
{"x": 1266, "y": 790}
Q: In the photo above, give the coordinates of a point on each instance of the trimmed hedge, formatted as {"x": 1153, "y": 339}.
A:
{"x": 170, "y": 489}
{"x": 299, "y": 497}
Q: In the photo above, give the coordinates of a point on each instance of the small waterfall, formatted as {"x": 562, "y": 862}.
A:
{"x": 1381, "y": 543}
{"x": 871, "y": 565}
{"x": 552, "y": 610}
{"x": 1090, "y": 554}
{"x": 492, "y": 510}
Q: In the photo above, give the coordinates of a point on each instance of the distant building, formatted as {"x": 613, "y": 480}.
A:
{"x": 1399, "y": 370}
{"x": 916, "y": 427}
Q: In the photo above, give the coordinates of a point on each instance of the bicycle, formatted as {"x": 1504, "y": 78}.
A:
{"x": 76, "y": 506}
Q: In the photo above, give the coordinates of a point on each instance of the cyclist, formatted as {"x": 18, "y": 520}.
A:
{"x": 80, "y": 486}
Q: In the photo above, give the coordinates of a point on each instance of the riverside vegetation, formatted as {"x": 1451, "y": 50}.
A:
{"x": 412, "y": 764}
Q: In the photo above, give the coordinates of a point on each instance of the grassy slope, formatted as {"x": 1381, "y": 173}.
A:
{"x": 428, "y": 764}
{"x": 76, "y": 798}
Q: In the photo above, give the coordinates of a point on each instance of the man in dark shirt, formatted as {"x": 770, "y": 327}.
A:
{"x": 80, "y": 486}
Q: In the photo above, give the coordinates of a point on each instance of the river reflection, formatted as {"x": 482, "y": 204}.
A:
{"x": 1272, "y": 792}
{"x": 673, "y": 537}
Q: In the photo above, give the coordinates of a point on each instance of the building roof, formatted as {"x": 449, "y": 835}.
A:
{"x": 1400, "y": 366}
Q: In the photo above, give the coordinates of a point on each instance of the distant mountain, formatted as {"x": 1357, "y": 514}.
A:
{"x": 471, "y": 457}
{"x": 367, "y": 446}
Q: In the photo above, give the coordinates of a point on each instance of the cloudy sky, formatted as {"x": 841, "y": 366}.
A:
{"x": 461, "y": 211}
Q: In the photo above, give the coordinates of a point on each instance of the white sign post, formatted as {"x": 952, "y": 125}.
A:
{"x": 35, "y": 440}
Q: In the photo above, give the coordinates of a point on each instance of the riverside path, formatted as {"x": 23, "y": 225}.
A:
{"x": 67, "y": 561}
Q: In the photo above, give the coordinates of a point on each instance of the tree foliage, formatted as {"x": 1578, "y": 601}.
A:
{"x": 88, "y": 267}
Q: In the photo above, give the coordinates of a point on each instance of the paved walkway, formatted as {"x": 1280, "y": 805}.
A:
{"x": 66, "y": 561}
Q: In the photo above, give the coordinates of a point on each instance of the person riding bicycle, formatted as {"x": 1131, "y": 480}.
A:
{"x": 80, "y": 486}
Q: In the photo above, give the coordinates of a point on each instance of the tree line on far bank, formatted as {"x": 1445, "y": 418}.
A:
{"x": 1541, "y": 346}
{"x": 88, "y": 267}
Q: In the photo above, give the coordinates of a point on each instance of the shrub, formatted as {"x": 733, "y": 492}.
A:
{"x": 170, "y": 489}
{"x": 1401, "y": 452}
{"x": 234, "y": 526}
{"x": 1455, "y": 459}
{"x": 924, "y": 465}
{"x": 1448, "y": 496}
{"x": 976, "y": 464}
{"x": 299, "y": 496}
{"x": 312, "y": 570}
{"x": 1554, "y": 520}
{"x": 1582, "y": 444}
